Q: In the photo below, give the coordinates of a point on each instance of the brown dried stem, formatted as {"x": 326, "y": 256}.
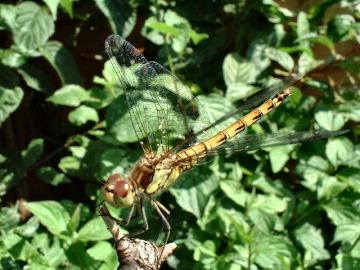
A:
{"x": 135, "y": 253}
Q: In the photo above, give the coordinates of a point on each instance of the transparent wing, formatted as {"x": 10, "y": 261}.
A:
{"x": 163, "y": 110}
{"x": 253, "y": 142}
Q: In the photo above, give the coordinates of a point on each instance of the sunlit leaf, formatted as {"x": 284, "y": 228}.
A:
{"x": 237, "y": 69}
{"x": 118, "y": 121}
{"x": 7, "y": 17}
{"x": 281, "y": 57}
{"x": 34, "y": 26}
{"x": 303, "y": 26}
{"x": 82, "y": 115}
{"x": 273, "y": 252}
{"x": 52, "y": 215}
{"x": 312, "y": 241}
{"x": 193, "y": 190}
{"x": 94, "y": 230}
{"x": 9, "y": 101}
{"x": 238, "y": 91}
{"x": 53, "y": 6}
{"x": 339, "y": 150}
{"x": 347, "y": 232}
{"x": 329, "y": 120}
{"x": 341, "y": 211}
{"x": 279, "y": 156}
{"x": 69, "y": 95}
{"x": 121, "y": 16}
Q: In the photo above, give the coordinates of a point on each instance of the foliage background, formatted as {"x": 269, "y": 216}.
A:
{"x": 65, "y": 127}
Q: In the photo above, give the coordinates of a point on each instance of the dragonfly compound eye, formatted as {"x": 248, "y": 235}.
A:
{"x": 122, "y": 188}
{"x": 118, "y": 191}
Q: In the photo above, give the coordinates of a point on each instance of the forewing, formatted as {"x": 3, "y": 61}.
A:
{"x": 163, "y": 110}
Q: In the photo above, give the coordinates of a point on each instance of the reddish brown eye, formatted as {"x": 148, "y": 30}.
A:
{"x": 121, "y": 188}
{"x": 113, "y": 178}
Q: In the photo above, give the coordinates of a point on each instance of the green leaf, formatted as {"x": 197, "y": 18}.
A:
{"x": 349, "y": 232}
{"x": 82, "y": 115}
{"x": 339, "y": 151}
{"x": 238, "y": 69}
{"x": 75, "y": 218}
{"x": 258, "y": 58}
{"x": 29, "y": 228}
{"x": 314, "y": 169}
{"x": 341, "y": 211}
{"x": 234, "y": 191}
{"x": 238, "y": 91}
{"x": 69, "y": 164}
{"x": 111, "y": 160}
{"x": 273, "y": 252}
{"x": 279, "y": 156}
{"x": 118, "y": 121}
{"x": 163, "y": 28}
{"x": 51, "y": 176}
{"x": 11, "y": 58}
{"x": 281, "y": 57}
{"x": 121, "y": 16}
{"x": 303, "y": 26}
{"x": 52, "y": 215}
{"x": 70, "y": 95}
{"x": 94, "y": 230}
{"x": 68, "y": 7}
{"x": 76, "y": 254}
{"x": 351, "y": 177}
{"x": 198, "y": 37}
{"x": 339, "y": 28}
{"x": 36, "y": 78}
{"x": 193, "y": 191}
{"x": 329, "y": 120}
{"x": 103, "y": 251}
{"x": 346, "y": 261}
{"x": 152, "y": 35}
{"x": 9, "y": 218}
{"x": 9, "y": 101}
{"x": 33, "y": 152}
{"x": 330, "y": 187}
{"x": 307, "y": 63}
{"x": 7, "y": 17}
{"x": 53, "y": 6}
{"x": 62, "y": 61}
{"x": 215, "y": 106}
{"x": 312, "y": 241}
{"x": 34, "y": 26}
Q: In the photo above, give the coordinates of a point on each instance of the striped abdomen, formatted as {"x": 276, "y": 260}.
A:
{"x": 192, "y": 155}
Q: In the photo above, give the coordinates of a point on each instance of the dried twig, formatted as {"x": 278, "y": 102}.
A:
{"x": 135, "y": 253}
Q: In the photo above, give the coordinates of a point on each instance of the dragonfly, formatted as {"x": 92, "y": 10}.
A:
{"x": 174, "y": 131}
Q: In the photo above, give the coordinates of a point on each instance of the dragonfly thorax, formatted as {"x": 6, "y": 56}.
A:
{"x": 118, "y": 191}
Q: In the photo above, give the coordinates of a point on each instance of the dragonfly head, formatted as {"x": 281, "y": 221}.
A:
{"x": 118, "y": 192}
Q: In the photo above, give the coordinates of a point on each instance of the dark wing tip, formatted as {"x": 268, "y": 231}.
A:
{"x": 114, "y": 43}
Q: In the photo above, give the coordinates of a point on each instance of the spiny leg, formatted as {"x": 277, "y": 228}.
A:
{"x": 166, "y": 225}
{"x": 126, "y": 221}
{"x": 141, "y": 209}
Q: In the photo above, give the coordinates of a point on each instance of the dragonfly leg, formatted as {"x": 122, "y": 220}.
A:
{"x": 143, "y": 215}
{"x": 162, "y": 211}
{"x": 126, "y": 221}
